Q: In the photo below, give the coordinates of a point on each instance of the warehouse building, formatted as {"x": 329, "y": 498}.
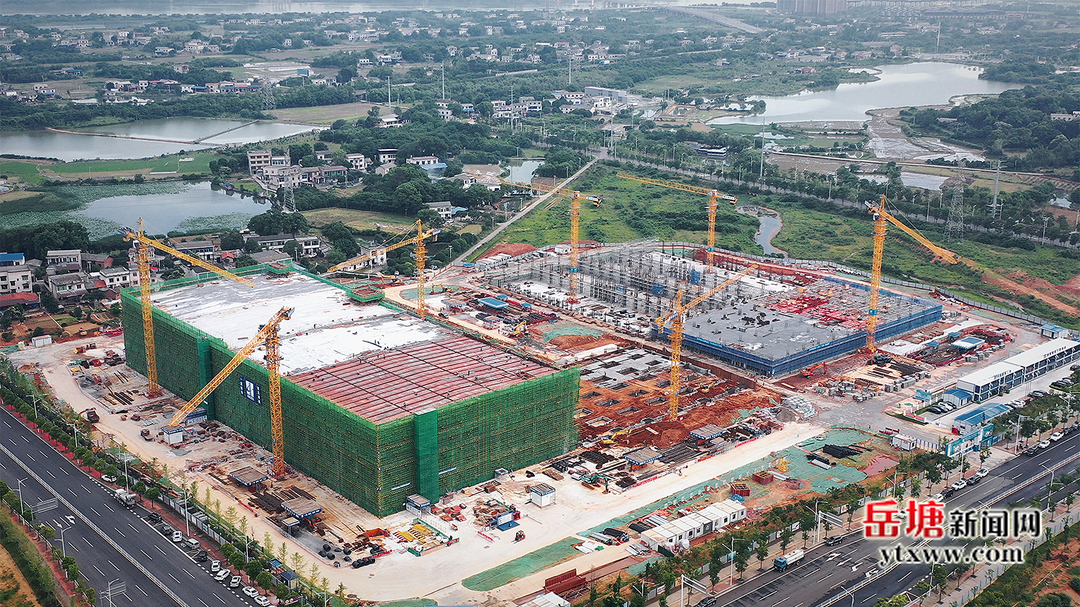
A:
{"x": 1002, "y": 376}
{"x": 377, "y": 403}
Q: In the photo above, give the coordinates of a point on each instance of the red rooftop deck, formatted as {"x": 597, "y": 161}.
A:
{"x": 386, "y": 385}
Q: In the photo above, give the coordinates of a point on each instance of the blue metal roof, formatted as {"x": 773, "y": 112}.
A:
{"x": 983, "y": 413}
{"x": 494, "y": 304}
{"x": 959, "y": 393}
{"x": 15, "y": 257}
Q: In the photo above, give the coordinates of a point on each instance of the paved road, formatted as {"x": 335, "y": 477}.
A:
{"x": 156, "y": 571}
{"x": 828, "y": 571}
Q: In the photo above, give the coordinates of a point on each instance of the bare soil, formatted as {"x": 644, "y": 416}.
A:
{"x": 12, "y": 579}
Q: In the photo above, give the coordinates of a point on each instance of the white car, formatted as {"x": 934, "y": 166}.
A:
{"x": 251, "y": 591}
{"x": 215, "y": 566}
{"x": 262, "y": 601}
{"x": 982, "y": 472}
{"x": 222, "y": 575}
{"x": 234, "y": 582}
{"x": 108, "y": 478}
{"x": 177, "y": 537}
{"x": 1056, "y": 436}
{"x": 939, "y": 497}
{"x": 958, "y": 485}
{"x": 1043, "y": 444}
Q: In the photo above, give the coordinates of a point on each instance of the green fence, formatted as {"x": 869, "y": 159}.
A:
{"x": 375, "y": 466}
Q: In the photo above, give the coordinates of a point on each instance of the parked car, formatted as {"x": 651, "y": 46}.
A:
{"x": 1043, "y": 444}
{"x": 1056, "y": 436}
{"x": 974, "y": 480}
{"x": 834, "y": 540}
{"x": 222, "y": 575}
{"x": 234, "y": 582}
{"x": 1031, "y": 450}
{"x": 108, "y": 478}
{"x": 936, "y": 409}
{"x": 958, "y": 485}
{"x": 982, "y": 472}
{"x": 215, "y": 566}
{"x": 939, "y": 497}
{"x": 200, "y": 556}
{"x": 153, "y": 517}
{"x": 251, "y": 591}
{"x": 1036, "y": 394}
{"x": 1060, "y": 384}
{"x": 262, "y": 601}
{"x": 177, "y": 537}
{"x": 708, "y": 601}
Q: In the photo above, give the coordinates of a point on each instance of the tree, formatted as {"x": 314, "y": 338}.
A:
{"x": 431, "y": 218}
{"x": 252, "y": 246}
{"x": 762, "y": 550}
{"x": 231, "y": 240}
{"x": 245, "y": 261}
{"x": 293, "y": 249}
{"x": 455, "y": 166}
{"x": 48, "y": 301}
{"x": 264, "y": 580}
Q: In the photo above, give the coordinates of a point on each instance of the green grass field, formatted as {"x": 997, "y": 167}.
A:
{"x": 200, "y": 164}
{"x": 633, "y": 211}
{"x": 23, "y": 171}
{"x": 361, "y": 220}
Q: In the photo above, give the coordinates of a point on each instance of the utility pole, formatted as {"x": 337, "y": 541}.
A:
{"x": 444, "y": 81}
{"x": 994, "y": 203}
{"x": 389, "y": 100}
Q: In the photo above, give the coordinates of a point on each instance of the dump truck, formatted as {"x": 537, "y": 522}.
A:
{"x": 788, "y": 560}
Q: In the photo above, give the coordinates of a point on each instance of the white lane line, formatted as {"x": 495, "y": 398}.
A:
{"x": 147, "y": 555}
{"x": 95, "y": 511}
{"x": 140, "y": 589}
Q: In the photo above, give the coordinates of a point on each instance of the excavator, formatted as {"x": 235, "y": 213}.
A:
{"x": 809, "y": 371}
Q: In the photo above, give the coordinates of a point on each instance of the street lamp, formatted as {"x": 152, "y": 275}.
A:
{"x": 1049, "y": 490}
{"x": 22, "y": 504}
{"x": 731, "y": 574}
{"x": 63, "y": 546}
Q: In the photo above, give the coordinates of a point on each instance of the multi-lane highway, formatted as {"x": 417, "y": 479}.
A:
{"x": 827, "y": 572}
{"x": 111, "y": 544}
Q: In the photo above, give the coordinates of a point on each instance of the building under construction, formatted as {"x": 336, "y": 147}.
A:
{"x": 378, "y": 404}
{"x": 776, "y": 321}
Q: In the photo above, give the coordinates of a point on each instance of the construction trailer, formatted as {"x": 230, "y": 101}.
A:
{"x": 378, "y": 404}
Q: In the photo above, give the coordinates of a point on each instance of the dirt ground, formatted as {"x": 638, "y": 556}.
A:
{"x": 13, "y": 581}
{"x": 326, "y": 114}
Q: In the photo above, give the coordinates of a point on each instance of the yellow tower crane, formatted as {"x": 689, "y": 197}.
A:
{"x": 677, "y": 316}
{"x": 881, "y": 216}
{"x": 420, "y": 253}
{"x": 575, "y": 222}
{"x": 267, "y": 336}
{"x": 143, "y": 244}
{"x": 713, "y": 195}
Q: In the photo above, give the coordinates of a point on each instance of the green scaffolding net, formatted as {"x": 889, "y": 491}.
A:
{"x": 375, "y": 466}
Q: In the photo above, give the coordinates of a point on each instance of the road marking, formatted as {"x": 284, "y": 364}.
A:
{"x": 98, "y": 570}
{"x": 768, "y": 595}
{"x": 88, "y": 490}
{"x": 114, "y": 565}
{"x": 26, "y": 439}
{"x": 64, "y": 470}
{"x": 219, "y": 598}
{"x": 872, "y": 596}
{"x": 203, "y": 602}
{"x": 120, "y": 532}
{"x": 43, "y": 454}
{"x": 50, "y": 473}
{"x": 88, "y": 542}
{"x": 190, "y": 574}
{"x": 74, "y": 547}
{"x": 778, "y": 602}
{"x": 827, "y": 577}
{"x": 73, "y": 492}
{"x": 110, "y": 508}
{"x": 140, "y": 589}
{"x": 4, "y": 467}
{"x": 147, "y": 555}
{"x": 905, "y": 577}
{"x": 30, "y": 456}
{"x": 133, "y": 527}
{"x": 161, "y": 551}
{"x": 95, "y": 511}
{"x": 174, "y": 578}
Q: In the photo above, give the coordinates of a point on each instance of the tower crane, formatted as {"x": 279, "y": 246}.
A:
{"x": 677, "y": 316}
{"x": 420, "y": 253}
{"x": 575, "y": 221}
{"x": 267, "y": 336}
{"x": 143, "y": 244}
{"x": 881, "y": 216}
{"x": 713, "y": 195}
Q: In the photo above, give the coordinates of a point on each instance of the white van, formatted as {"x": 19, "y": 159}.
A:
{"x": 191, "y": 543}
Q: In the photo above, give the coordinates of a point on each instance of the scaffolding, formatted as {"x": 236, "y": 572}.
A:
{"x": 375, "y": 465}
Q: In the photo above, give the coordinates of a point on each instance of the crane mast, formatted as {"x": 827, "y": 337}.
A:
{"x": 881, "y": 218}
{"x": 677, "y": 316}
{"x": 266, "y": 336}
{"x": 142, "y": 258}
{"x": 714, "y": 197}
{"x": 421, "y": 252}
{"x": 575, "y": 224}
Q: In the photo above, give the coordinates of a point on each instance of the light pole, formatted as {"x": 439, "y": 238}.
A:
{"x": 1049, "y": 490}
{"x": 731, "y": 574}
{"x": 63, "y": 546}
{"x": 22, "y": 504}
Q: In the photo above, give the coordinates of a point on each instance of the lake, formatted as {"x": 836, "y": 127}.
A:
{"x": 913, "y": 84}
{"x": 153, "y": 138}
{"x": 193, "y": 207}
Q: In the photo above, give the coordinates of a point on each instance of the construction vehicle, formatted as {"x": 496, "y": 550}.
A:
{"x": 519, "y": 329}
{"x": 266, "y": 336}
{"x": 520, "y": 535}
{"x": 881, "y": 218}
{"x": 611, "y": 439}
{"x": 91, "y": 415}
{"x": 676, "y": 316}
{"x": 420, "y": 254}
{"x": 143, "y": 244}
{"x": 809, "y": 371}
{"x": 788, "y": 560}
{"x": 713, "y": 195}
{"x": 575, "y": 222}
{"x": 126, "y": 498}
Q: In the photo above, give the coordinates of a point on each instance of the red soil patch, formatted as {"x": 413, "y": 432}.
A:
{"x": 513, "y": 249}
